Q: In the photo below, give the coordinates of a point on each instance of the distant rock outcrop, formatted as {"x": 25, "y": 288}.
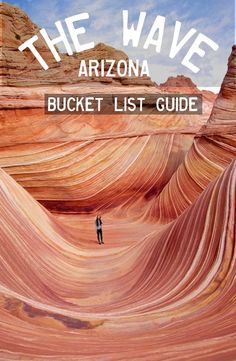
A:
{"x": 178, "y": 81}
{"x": 185, "y": 85}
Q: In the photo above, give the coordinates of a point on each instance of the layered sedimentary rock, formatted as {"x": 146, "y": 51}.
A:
{"x": 83, "y": 176}
{"x": 162, "y": 287}
{"x": 60, "y": 159}
{"x": 23, "y": 69}
{"x": 178, "y": 82}
{"x": 213, "y": 149}
{"x": 169, "y": 280}
{"x": 184, "y": 85}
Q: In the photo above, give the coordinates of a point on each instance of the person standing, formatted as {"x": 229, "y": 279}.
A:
{"x": 98, "y": 223}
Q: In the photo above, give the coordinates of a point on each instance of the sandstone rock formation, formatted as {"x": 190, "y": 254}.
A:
{"x": 22, "y": 69}
{"x": 213, "y": 149}
{"x": 178, "y": 82}
{"x": 30, "y": 134}
{"x": 163, "y": 286}
{"x": 74, "y": 302}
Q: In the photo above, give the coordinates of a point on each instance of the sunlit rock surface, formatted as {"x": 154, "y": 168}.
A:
{"x": 163, "y": 285}
{"x": 16, "y": 27}
{"x": 161, "y": 295}
{"x": 213, "y": 149}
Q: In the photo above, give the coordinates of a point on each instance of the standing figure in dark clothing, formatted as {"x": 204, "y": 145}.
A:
{"x": 98, "y": 223}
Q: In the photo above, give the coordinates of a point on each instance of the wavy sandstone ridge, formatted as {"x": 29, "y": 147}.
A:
{"x": 170, "y": 280}
{"x": 162, "y": 288}
{"x": 61, "y": 160}
{"x": 213, "y": 149}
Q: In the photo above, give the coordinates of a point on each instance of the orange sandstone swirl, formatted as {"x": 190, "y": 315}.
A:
{"x": 171, "y": 294}
{"x": 162, "y": 288}
{"x": 214, "y": 147}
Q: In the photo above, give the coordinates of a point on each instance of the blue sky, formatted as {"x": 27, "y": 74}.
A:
{"x": 214, "y": 18}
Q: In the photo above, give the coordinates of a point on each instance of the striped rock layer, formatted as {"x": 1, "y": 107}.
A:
{"x": 163, "y": 285}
